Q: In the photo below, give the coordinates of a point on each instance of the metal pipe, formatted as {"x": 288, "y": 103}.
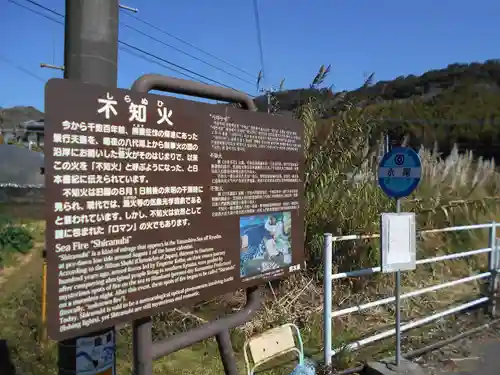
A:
{"x": 355, "y": 237}
{"x": 397, "y": 296}
{"x": 226, "y": 353}
{"x": 150, "y": 82}
{"x": 141, "y": 346}
{"x": 44, "y": 300}
{"x": 398, "y": 317}
{"x": 218, "y": 327}
{"x": 51, "y": 66}
{"x": 493, "y": 267}
{"x": 373, "y": 270}
{"x": 415, "y": 293}
{"x": 382, "y": 335}
{"x": 126, "y": 7}
{"x": 457, "y": 229}
{"x": 426, "y": 231}
{"x": 327, "y": 300}
{"x": 454, "y": 256}
{"x": 363, "y": 272}
{"x": 185, "y": 339}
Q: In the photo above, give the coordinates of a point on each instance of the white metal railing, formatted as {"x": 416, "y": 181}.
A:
{"x": 329, "y": 278}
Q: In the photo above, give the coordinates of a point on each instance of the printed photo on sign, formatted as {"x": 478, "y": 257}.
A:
{"x": 95, "y": 355}
{"x": 266, "y": 243}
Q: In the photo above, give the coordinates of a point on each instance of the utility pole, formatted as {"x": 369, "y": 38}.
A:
{"x": 90, "y": 56}
{"x": 268, "y": 93}
{"x": 91, "y": 41}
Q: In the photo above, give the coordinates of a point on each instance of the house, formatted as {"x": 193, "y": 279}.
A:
{"x": 28, "y": 132}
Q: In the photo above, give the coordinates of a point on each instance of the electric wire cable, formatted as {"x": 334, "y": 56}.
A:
{"x": 150, "y": 60}
{"x": 184, "y": 53}
{"x": 188, "y": 44}
{"x": 130, "y": 46}
{"x": 21, "y": 68}
{"x": 159, "y": 41}
{"x": 39, "y": 13}
{"x": 259, "y": 35}
{"x": 174, "y": 64}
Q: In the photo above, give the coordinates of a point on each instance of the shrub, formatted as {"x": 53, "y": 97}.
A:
{"x": 13, "y": 238}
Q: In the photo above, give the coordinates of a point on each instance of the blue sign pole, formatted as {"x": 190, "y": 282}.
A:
{"x": 399, "y": 174}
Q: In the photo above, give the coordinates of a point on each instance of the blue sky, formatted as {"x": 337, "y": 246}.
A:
{"x": 388, "y": 37}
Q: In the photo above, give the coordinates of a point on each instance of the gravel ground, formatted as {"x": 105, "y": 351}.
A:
{"x": 475, "y": 355}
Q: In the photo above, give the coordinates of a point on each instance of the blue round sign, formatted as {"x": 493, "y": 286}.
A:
{"x": 399, "y": 172}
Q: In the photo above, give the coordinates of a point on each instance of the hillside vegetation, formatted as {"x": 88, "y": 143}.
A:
{"x": 456, "y": 189}
{"x": 429, "y": 88}
{"x": 458, "y": 105}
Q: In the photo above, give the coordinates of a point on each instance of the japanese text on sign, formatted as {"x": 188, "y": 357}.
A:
{"x": 156, "y": 201}
{"x": 398, "y": 172}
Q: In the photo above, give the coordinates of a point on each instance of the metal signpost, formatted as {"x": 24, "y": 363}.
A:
{"x": 399, "y": 174}
{"x": 145, "y": 350}
{"x": 90, "y": 56}
{"x": 155, "y": 202}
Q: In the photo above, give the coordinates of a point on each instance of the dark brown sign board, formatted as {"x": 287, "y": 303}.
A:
{"x": 154, "y": 202}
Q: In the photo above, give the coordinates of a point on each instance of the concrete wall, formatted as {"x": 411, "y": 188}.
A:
{"x": 21, "y": 195}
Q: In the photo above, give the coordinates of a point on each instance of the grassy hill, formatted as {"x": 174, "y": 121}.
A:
{"x": 11, "y": 117}
{"x": 433, "y": 88}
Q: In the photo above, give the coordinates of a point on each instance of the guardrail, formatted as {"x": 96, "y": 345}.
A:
{"x": 329, "y": 278}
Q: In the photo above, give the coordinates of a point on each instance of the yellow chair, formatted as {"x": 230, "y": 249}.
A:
{"x": 275, "y": 343}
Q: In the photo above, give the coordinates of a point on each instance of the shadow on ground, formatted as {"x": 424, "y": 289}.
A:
{"x": 6, "y": 365}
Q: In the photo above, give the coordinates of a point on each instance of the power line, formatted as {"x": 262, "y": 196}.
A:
{"x": 166, "y": 33}
{"x": 174, "y": 64}
{"x": 156, "y": 40}
{"x": 121, "y": 48}
{"x": 40, "y": 14}
{"x": 189, "y": 44}
{"x": 259, "y": 36}
{"x": 124, "y": 43}
{"x": 22, "y": 69}
{"x": 185, "y": 53}
{"x": 150, "y": 60}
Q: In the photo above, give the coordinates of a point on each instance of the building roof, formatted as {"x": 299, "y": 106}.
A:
{"x": 20, "y": 166}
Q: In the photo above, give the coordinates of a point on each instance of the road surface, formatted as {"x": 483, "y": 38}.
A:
{"x": 479, "y": 355}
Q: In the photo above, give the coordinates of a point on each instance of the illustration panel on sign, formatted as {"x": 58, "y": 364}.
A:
{"x": 266, "y": 243}
{"x": 95, "y": 355}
